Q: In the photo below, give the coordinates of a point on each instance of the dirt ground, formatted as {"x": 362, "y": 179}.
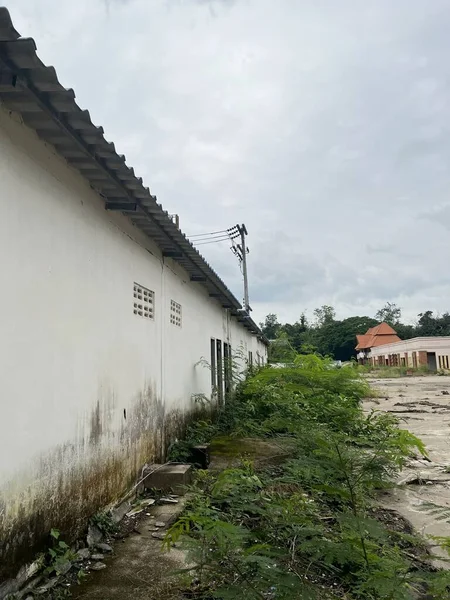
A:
{"x": 422, "y": 405}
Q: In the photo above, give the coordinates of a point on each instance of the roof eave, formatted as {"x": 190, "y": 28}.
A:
{"x": 32, "y": 89}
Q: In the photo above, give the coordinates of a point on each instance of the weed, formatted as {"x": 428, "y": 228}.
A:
{"x": 59, "y": 593}
{"x": 104, "y": 522}
{"x": 214, "y": 419}
{"x": 59, "y": 556}
{"x": 305, "y": 529}
{"x": 198, "y": 432}
{"x": 441, "y": 513}
{"x": 394, "y": 372}
{"x": 443, "y": 372}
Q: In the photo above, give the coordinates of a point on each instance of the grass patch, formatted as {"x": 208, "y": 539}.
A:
{"x": 231, "y": 447}
{"x": 394, "y": 372}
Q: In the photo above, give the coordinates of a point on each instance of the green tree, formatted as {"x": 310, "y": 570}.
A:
{"x": 324, "y": 315}
{"x": 298, "y": 333}
{"x": 405, "y": 332}
{"x": 281, "y": 349}
{"x": 271, "y": 326}
{"x": 338, "y": 338}
{"x": 428, "y": 324}
{"x": 445, "y": 324}
{"x": 330, "y": 337}
{"x": 390, "y": 313}
{"x": 345, "y": 336}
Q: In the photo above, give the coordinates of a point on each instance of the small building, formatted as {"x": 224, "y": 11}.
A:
{"x": 114, "y": 327}
{"x": 430, "y": 352}
{"x": 375, "y": 336}
{"x": 381, "y": 346}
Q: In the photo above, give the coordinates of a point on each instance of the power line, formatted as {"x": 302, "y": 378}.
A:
{"x": 240, "y": 250}
{"x": 213, "y": 232}
{"x": 215, "y": 241}
{"x": 213, "y": 237}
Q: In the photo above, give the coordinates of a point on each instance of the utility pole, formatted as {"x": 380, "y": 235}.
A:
{"x": 243, "y": 251}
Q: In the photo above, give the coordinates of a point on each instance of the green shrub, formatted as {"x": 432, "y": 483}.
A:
{"x": 306, "y": 528}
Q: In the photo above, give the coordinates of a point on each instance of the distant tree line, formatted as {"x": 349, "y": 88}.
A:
{"x": 328, "y": 336}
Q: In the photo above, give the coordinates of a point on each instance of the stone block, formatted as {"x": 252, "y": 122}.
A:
{"x": 118, "y": 513}
{"x": 168, "y": 478}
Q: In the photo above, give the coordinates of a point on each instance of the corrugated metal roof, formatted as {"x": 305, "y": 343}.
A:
{"x": 32, "y": 89}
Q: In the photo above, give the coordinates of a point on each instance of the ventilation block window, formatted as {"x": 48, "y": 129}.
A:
{"x": 175, "y": 313}
{"x": 144, "y": 302}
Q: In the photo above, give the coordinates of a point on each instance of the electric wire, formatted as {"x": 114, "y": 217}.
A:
{"x": 213, "y": 232}
{"x": 214, "y": 237}
{"x": 223, "y": 239}
{"x": 222, "y": 231}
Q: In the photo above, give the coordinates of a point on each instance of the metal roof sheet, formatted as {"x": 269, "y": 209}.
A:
{"x": 32, "y": 89}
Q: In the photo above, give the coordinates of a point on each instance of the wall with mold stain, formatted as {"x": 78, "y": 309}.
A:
{"x": 90, "y": 391}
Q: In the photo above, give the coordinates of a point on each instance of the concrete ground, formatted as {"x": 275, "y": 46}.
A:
{"x": 422, "y": 405}
{"x": 139, "y": 568}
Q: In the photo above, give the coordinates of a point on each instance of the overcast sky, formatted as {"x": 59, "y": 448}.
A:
{"x": 323, "y": 125}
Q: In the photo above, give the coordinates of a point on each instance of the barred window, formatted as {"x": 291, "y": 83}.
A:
{"x": 144, "y": 302}
{"x": 175, "y": 313}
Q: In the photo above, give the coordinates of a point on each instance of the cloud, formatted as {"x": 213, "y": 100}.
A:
{"x": 439, "y": 215}
{"x": 322, "y": 126}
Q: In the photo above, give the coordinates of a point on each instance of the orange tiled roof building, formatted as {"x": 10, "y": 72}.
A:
{"x": 376, "y": 336}
{"x": 381, "y": 346}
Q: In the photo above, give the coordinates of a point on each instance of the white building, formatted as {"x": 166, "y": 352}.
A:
{"x": 106, "y": 310}
{"x": 430, "y": 352}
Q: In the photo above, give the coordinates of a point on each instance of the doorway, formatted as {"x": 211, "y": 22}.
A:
{"x": 431, "y": 361}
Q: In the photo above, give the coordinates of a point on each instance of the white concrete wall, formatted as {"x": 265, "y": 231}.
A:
{"x": 90, "y": 391}
{"x": 440, "y": 345}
